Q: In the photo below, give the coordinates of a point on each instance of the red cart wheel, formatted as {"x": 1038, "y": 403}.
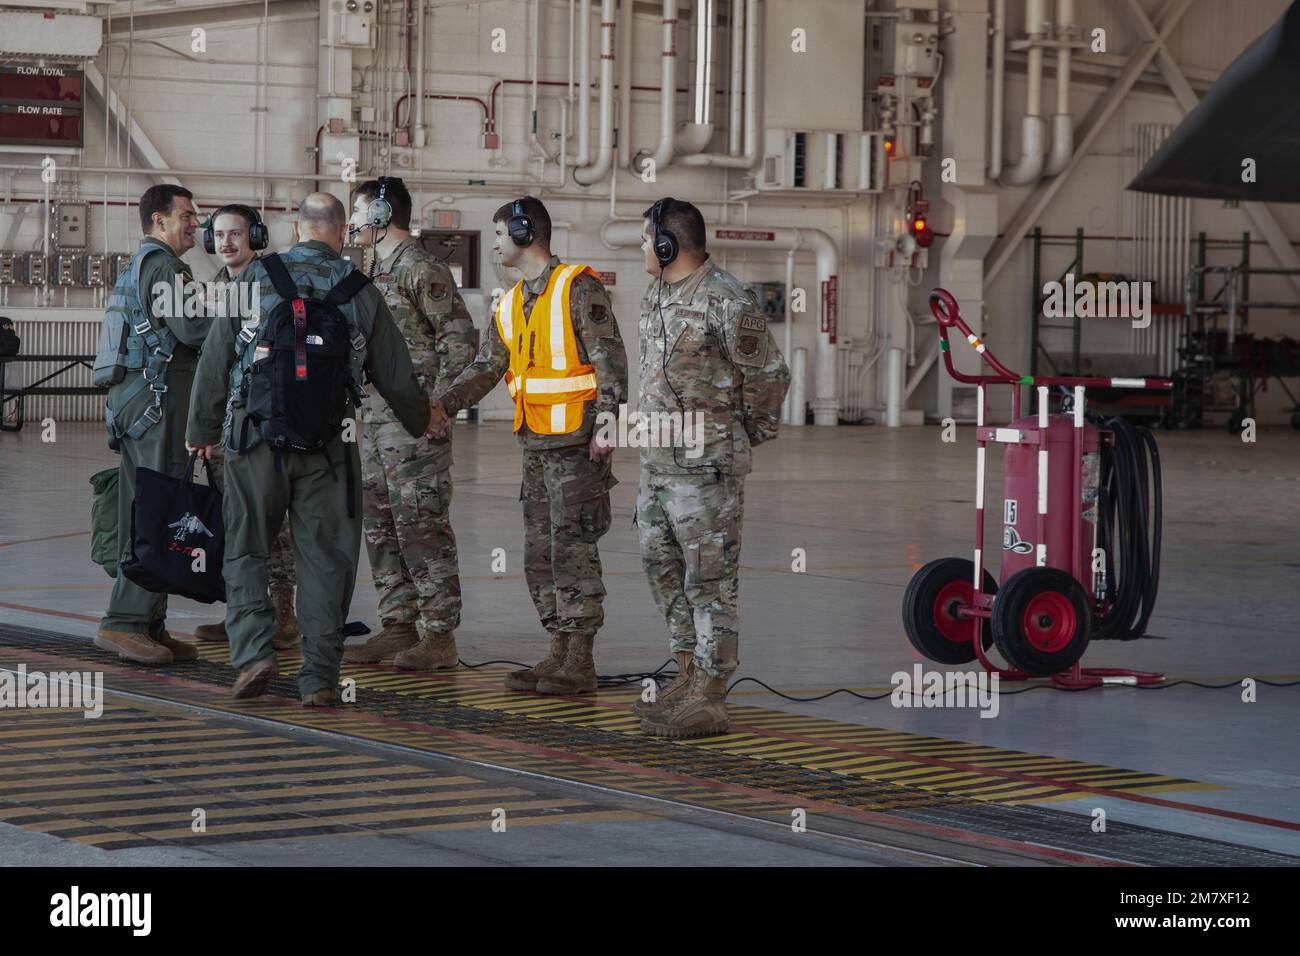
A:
{"x": 930, "y": 606}
{"x": 1041, "y": 621}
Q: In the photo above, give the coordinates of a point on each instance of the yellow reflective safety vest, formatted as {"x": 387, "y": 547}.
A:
{"x": 546, "y": 378}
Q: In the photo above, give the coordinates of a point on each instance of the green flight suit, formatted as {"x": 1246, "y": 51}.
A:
{"x": 162, "y": 447}
{"x": 326, "y": 538}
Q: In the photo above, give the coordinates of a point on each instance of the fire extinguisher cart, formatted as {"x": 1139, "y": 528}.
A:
{"x": 1052, "y": 589}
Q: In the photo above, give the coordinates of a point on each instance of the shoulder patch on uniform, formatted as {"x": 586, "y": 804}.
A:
{"x": 755, "y": 322}
{"x": 437, "y": 290}
{"x": 748, "y": 345}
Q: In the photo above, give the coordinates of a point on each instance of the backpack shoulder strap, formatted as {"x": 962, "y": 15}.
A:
{"x": 279, "y": 275}
{"x": 347, "y": 287}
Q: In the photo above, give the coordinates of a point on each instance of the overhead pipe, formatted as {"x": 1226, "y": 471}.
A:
{"x": 1062, "y": 123}
{"x": 999, "y": 86}
{"x": 694, "y": 136}
{"x": 736, "y": 26}
{"x": 663, "y": 155}
{"x": 583, "y": 158}
{"x": 588, "y": 174}
{"x": 626, "y": 19}
{"x": 419, "y": 136}
{"x": 621, "y": 233}
{"x": 1033, "y": 147}
{"x": 753, "y": 118}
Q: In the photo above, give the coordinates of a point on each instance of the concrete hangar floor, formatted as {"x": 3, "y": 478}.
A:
{"x": 417, "y": 770}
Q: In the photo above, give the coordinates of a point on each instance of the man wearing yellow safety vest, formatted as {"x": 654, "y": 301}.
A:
{"x": 556, "y": 341}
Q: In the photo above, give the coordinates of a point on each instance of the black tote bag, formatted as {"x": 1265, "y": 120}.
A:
{"x": 177, "y": 536}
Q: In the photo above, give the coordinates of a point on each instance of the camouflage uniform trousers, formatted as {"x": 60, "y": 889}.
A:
{"x": 279, "y": 564}
{"x": 566, "y": 511}
{"x": 406, "y": 501}
{"x": 689, "y": 526}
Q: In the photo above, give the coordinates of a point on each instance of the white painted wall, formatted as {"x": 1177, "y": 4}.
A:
{"x": 205, "y": 115}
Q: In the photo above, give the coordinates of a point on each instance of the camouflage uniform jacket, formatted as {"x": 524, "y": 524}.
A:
{"x": 720, "y": 363}
{"x": 426, "y": 305}
{"x": 599, "y": 344}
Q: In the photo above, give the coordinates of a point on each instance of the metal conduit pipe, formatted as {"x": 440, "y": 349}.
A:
{"x": 588, "y": 174}
{"x": 753, "y": 119}
{"x": 1033, "y": 148}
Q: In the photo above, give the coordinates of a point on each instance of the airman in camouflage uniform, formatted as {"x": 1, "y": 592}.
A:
{"x": 566, "y": 477}
{"x": 705, "y": 350}
{"x": 406, "y": 482}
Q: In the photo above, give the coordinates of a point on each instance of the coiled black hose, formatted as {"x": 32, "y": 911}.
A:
{"x": 1129, "y": 511}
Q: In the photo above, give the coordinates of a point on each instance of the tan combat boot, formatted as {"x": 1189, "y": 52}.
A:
{"x": 255, "y": 679}
{"x": 664, "y": 699}
{"x": 181, "y": 650}
{"x": 527, "y": 678}
{"x": 216, "y": 633}
{"x": 286, "y": 622}
{"x": 435, "y": 652}
{"x": 393, "y": 639}
{"x": 327, "y": 697}
{"x": 577, "y": 675}
{"x": 699, "y": 711}
{"x": 133, "y": 646}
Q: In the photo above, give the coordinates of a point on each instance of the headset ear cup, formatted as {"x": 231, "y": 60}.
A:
{"x": 258, "y": 236}
{"x": 209, "y": 240}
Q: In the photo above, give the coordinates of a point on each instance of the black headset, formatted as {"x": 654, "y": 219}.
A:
{"x": 662, "y": 241}
{"x": 258, "y": 236}
{"x": 520, "y": 225}
{"x": 380, "y": 211}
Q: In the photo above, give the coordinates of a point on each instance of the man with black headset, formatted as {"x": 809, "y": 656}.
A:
{"x": 705, "y": 349}
{"x": 235, "y": 234}
{"x": 556, "y": 342}
{"x": 406, "y": 481}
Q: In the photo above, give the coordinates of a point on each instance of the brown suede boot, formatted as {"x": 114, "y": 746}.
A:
{"x": 664, "y": 699}
{"x": 527, "y": 678}
{"x": 577, "y": 675}
{"x": 435, "y": 652}
{"x": 133, "y": 646}
{"x": 216, "y": 633}
{"x": 286, "y": 636}
{"x": 254, "y": 679}
{"x": 699, "y": 711}
{"x": 393, "y": 639}
{"x": 328, "y": 697}
{"x": 181, "y": 650}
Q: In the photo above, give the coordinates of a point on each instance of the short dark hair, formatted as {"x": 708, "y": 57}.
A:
{"x": 534, "y": 210}
{"x": 236, "y": 209}
{"x": 397, "y": 195}
{"x": 159, "y": 199}
{"x": 684, "y": 221}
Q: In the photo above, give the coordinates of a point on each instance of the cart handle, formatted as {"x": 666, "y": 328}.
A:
{"x": 944, "y": 308}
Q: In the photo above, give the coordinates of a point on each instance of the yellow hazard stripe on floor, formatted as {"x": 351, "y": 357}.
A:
{"x": 107, "y": 783}
{"x": 867, "y": 753}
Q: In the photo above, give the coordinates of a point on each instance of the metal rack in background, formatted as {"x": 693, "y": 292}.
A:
{"x": 1223, "y": 367}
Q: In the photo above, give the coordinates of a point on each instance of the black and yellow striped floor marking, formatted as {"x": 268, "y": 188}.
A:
{"x": 873, "y": 754}
{"x": 134, "y": 776}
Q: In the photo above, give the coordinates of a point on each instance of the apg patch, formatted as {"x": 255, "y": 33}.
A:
{"x": 755, "y": 322}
